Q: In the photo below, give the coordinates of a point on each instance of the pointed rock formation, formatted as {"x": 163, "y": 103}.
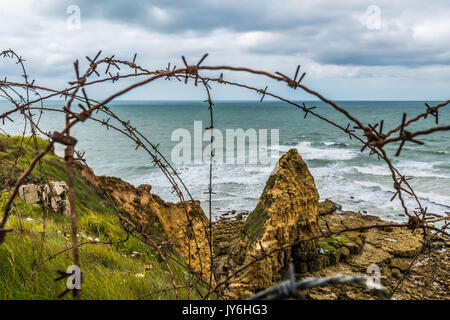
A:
{"x": 287, "y": 211}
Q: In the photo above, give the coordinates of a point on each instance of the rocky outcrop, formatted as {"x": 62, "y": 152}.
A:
{"x": 286, "y": 212}
{"x": 328, "y": 207}
{"x": 164, "y": 220}
{"x": 52, "y": 194}
{"x": 390, "y": 249}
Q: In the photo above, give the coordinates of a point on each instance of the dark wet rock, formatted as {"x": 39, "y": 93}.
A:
{"x": 328, "y": 207}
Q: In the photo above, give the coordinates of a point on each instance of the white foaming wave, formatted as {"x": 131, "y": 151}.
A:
{"x": 308, "y": 152}
{"x": 376, "y": 170}
{"x": 337, "y": 169}
{"x": 331, "y": 143}
{"x": 244, "y": 180}
{"x": 375, "y": 198}
{"x": 415, "y": 164}
{"x": 371, "y": 184}
{"x": 420, "y": 169}
{"x": 355, "y": 197}
{"x": 196, "y": 176}
{"x": 438, "y": 199}
{"x": 259, "y": 169}
{"x": 406, "y": 167}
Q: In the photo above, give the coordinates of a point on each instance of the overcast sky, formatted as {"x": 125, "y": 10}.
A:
{"x": 350, "y": 50}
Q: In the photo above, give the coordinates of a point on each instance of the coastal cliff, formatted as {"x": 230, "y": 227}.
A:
{"x": 161, "y": 219}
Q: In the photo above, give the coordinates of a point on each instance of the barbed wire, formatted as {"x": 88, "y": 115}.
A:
{"x": 290, "y": 288}
{"x": 373, "y": 137}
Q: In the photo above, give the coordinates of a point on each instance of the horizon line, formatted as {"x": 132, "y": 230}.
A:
{"x": 257, "y": 100}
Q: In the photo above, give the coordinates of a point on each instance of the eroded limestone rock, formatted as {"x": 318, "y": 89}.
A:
{"x": 328, "y": 207}
{"x": 392, "y": 250}
{"x": 164, "y": 220}
{"x": 286, "y": 212}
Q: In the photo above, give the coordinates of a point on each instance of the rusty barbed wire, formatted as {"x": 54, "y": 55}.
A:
{"x": 373, "y": 137}
{"x": 290, "y": 288}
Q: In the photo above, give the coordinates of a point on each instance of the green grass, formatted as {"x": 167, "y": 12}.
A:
{"x": 53, "y": 168}
{"x": 331, "y": 244}
{"x": 109, "y": 271}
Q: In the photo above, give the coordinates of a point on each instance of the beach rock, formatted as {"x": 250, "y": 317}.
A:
{"x": 229, "y": 248}
{"x": 322, "y": 294}
{"x": 328, "y": 207}
{"x": 392, "y": 251}
{"x": 344, "y": 252}
{"x": 56, "y": 188}
{"x": 389, "y": 250}
{"x": 287, "y": 211}
{"x": 396, "y": 273}
{"x": 399, "y": 264}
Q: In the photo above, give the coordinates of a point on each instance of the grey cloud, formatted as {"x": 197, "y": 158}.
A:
{"x": 200, "y": 15}
{"x": 324, "y": 31}
{"x": 350, "y": 43}
{"x": 354, "y": 52}
{"x": 327, "y": 35}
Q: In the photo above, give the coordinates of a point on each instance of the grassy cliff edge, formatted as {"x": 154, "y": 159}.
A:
{"x": 31, "y": 255}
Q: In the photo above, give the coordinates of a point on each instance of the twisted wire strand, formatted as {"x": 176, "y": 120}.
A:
{"x": 290, "y": 288}
{"x": 285, "y": 289}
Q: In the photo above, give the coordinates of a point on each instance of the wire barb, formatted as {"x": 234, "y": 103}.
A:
{"x": 290, "y": 288}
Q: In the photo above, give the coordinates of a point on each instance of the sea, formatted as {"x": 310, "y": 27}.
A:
{"x": 353, "y": 179}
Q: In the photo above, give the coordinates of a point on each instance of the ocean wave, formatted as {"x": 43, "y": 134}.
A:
{"x": 375, "y": 186}
{"x": 355, "y": 187}
{"x": 334, "y": 170}
{"x": 309, "y": 152}
{"x": 259, "y": 169}
{"x": 406, "y": 167}
{"x": 376, "y": 170}
{"x": 433, "y": 198}
{"x": 375, "y": 198}
{"x": 198, "y": 176}
{"x": 337, "y": 144}
{"x": 437, "y": 152}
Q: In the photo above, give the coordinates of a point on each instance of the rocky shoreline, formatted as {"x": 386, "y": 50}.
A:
{"x": 391, "y": 249}
{"x": 289, "y": 214}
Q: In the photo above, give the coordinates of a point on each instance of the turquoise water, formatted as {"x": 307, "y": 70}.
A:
{"x": 341, "y": 172}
